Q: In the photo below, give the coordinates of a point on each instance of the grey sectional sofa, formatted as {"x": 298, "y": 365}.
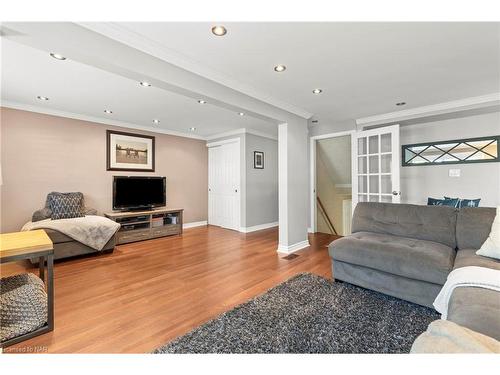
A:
{"x": 407, "y": 251}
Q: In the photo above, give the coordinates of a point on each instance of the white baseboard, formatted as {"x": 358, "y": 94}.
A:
{"x": 292, "y": 248}
{"x": 258, "y": 227}
{"x": 194, "y": 224}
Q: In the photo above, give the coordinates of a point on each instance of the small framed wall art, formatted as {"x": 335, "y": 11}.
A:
{"x": 258, "y": 160}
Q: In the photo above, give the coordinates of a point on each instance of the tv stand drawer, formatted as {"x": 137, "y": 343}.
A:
{"x": 132, "y": 235}
{"x": 166, "y": 230}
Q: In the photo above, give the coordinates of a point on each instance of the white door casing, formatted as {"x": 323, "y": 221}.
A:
{"x": 375, "y": 165}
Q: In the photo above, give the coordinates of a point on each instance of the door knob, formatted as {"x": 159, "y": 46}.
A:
{"x": 396, "y": 192}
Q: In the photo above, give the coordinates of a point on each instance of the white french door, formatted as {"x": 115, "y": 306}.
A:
{"x": 224, "y": 185}
{"x": 375, "y": 165}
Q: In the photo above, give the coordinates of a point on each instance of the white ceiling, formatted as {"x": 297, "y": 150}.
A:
{"x": 363, "y": 68}
{"x": 82, "y": 89}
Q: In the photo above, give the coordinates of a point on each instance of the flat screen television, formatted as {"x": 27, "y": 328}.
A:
{"x": 138, "y": 193}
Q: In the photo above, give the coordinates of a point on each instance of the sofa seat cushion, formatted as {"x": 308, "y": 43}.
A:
{"x": 476, "y": 309}
{"x": 468, "y": 257}
{"x": 415, "y": 259}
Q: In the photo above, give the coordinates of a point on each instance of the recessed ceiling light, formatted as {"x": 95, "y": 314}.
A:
{"x": 400, "y": 104}
{"x": 201, "y": 101}
{"x": 39, "y": 97}
{"x": 145, "y": 84}
{"x": 192, "y": 129}
{"x": 58, "y": 56}
{"x": 241, "y": 113}
{"x": 279, "y": 68}
{"x": 219, "y": 30}
{"x": 317, "y": 91}
{"x": 156, "y": 121}
{"x": 108, "y": 111}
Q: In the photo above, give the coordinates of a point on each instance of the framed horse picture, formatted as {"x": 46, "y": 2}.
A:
{"x": 129, "y": 152}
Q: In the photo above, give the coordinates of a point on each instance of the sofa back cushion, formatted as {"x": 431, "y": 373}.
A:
{"x": 474, "y": 226}
{"x": 430, "y": 223}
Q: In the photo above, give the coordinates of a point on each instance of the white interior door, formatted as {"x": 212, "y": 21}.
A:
{"x": 223, "y": 185}
{"x": 213, "y": 196}
{"x": 375, "y": 165}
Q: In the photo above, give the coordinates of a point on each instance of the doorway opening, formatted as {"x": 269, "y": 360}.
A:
{"x": 372, "y": 161}
{"x": 332, "y": 206}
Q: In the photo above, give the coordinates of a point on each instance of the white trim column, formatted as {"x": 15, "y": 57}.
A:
{"x": 293, "y": 181}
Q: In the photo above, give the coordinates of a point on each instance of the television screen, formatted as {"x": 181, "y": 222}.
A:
{"x": 133, "y": 192}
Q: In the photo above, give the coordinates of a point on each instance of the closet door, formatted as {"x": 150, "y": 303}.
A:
{"x": 213, "y": 185}
{"x": 224, "y": 185}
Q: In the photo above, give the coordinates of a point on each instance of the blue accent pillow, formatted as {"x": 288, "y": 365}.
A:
{"x": 442, "y": 202}
{"x": 466, "y": 202}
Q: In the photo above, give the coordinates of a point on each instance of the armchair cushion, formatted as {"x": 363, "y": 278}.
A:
{"x": 66, "y": 205}
{"x": 46, "y": 212}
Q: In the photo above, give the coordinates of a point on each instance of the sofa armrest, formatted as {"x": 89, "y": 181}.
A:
{"x": 42, "y": 214}
{"x": 89, "y": 211}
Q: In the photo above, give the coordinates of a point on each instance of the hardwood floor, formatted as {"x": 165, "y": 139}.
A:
{"x": 147, "y": 293}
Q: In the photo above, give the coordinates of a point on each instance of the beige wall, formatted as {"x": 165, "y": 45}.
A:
{"x": 42, "y": 153}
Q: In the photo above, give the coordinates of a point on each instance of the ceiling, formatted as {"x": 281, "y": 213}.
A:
{"x": 362, "y": 68}
{"x": 82, "y": 89}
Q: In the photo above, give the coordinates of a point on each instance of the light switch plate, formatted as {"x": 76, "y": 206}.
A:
{"x": 454, "y": 173}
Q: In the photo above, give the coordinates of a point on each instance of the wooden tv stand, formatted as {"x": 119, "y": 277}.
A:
{"x": 144, "y": 225}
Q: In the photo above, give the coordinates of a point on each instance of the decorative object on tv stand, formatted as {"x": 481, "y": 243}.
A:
{"x": 461, "y": 151}
{"x": 258, "y": 160}
{"x": 129, "y": 152}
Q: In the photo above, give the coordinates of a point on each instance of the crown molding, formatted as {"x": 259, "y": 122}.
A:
{"x": 142, "y": 43}
{"x": 241, "y": 131}
{"x": 475, "y": 102}
{"x": 99, "y": 120}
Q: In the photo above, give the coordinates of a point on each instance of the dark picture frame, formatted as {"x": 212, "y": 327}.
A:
{"x": 116, "y": 158}
{"x": 258, "y": 160}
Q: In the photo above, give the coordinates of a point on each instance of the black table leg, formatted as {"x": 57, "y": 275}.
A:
{"x": 41, "y": 268}
{"x": 50, "y": 291}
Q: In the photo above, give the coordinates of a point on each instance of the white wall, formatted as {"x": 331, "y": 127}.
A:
{"x": 478, "y": 180}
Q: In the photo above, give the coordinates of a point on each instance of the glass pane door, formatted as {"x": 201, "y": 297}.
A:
{"x": 376, "y": 165}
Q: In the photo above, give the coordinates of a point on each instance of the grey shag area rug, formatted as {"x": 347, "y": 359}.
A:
{"x": 310, "y": 314}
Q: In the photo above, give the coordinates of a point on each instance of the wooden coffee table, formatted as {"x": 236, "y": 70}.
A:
{"x": 30, "y": 244}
